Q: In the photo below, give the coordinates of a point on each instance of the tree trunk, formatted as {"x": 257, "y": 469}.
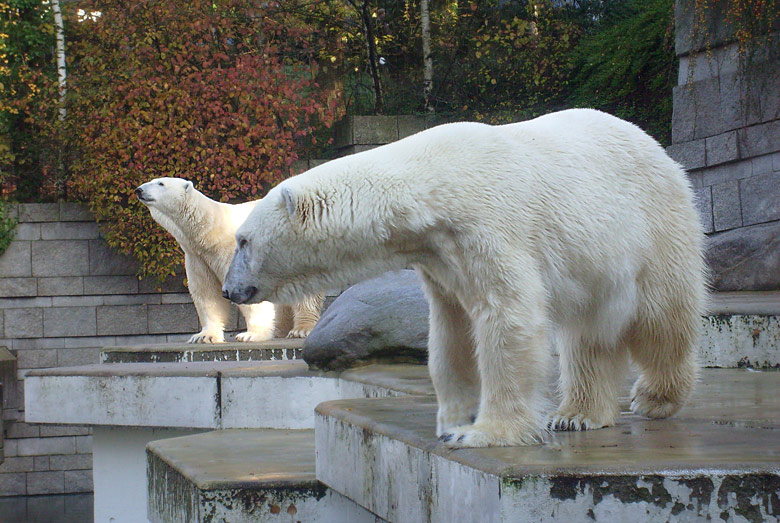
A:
{"x": 62, "y": 73}
{"x": 373, "y": 59}
{"x": 425, "y": 19}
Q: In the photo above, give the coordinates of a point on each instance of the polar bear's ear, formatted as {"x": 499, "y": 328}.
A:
{"x": 288, "y": 199}
{"x": 187, "y": 186}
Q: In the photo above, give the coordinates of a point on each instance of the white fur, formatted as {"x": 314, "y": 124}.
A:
{"x": 206, "y": 229}
{"x": 574, "y": 229}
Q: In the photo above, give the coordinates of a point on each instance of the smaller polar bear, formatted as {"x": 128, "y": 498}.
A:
{"x": 573, "y": 231}
{"x": 206, "y": 230}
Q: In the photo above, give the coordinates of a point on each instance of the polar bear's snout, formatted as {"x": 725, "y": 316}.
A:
{"x": 241, "y": 295}
{"x": 141, "y": 195}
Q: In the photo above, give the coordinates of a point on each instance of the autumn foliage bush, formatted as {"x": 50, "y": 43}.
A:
{"x": 221, "y": 93}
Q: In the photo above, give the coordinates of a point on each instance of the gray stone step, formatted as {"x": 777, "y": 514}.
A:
{"x": 718, "y": 458}
{"x": 275, "y": 349}
{"x": 242, "y": 475}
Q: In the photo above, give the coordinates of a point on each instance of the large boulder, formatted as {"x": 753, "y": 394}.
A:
{"x": 379, "y": 320}
{"x": 745, "y": 259}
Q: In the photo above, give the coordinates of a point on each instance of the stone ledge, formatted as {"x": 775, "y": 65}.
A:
{"x": 242, "y": 475}
{"x": 276, "y": 349}
{"x": 205, "y": 395}
{"x": 719, "y": 456}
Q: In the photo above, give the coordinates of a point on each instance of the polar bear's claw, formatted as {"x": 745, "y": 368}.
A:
{"x": 247, "y": 337}
{"x": 206, "y": 337}
{"x": 299, "y": 333}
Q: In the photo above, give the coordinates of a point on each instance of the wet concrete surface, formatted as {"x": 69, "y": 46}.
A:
{"x": 732, "y": 422}
{"x": 241, "y": 458}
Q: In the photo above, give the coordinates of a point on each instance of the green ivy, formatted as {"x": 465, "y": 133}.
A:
{"x": 7, "y": 227}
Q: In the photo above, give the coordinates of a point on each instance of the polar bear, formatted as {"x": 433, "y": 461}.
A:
{"x": 206, "y": 229}
{"x": 572, "y": 231}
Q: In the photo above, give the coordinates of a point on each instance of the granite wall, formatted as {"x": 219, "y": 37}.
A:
{"x": 726, "y": 132}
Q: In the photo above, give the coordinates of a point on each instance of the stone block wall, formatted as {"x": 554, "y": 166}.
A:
{"x": 726, "y": 132}
{"x": 63, "y": 295}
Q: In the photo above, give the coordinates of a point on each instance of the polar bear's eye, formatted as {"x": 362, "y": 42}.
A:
{"x": 241, "y": 243}
{"x": 161, "y": 184}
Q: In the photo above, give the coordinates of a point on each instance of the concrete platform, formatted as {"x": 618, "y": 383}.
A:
{"x": 205, "y": 395}
{"x": 242, "y": 475}
{"x": 718, "y": 458}
{"x": 275, "y": 349}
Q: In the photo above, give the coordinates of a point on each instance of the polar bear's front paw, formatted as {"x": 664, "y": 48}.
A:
{"x": 253, "y": 336}
{"x": 567, "y": 421}
{"x": 300, "y": 332}
{"x": 207, "y": 337}
{"x": 482, "y": 435}
{"x": 645, "y": 403}
{"x": 454, "y": 416}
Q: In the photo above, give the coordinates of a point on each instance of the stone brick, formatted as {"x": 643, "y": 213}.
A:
{"x": 13, "y": 484}
{"x": 44, "y": 446}
{"x": 69, "y": 321}
{"x": 80, "y": 356}
{"x": 39, "y": 343}
{"x": 776, "y": 162}
{"x": 745, "y": 259}
{"x": 83, "y": 444}
{"x": 69, "y": 231}
{"x": 759, "y": 139}
{"x": 727, "y": 172}
{"x": 133, "y": 299}
{"x": 16, "y": 465}
{"x": 48, "y": 431}
{"x": 726, "y": 211}
{"x": 27, "y": 231}
{"x": 375, "y": 130}
{"x": 83, "y": 342}
{"x": 762, "y": 164}
{"x": 177, "y": 298}
{"x": 409, "y": 125}
{"x": 11, "y": 445}
{"x": 760, "y": 199}
{"x": 121, "y": 319}
{"x": 762, "y": 91}
{"x": 173, "y": 318}
{"x": 683, "y": 114}
{"x": 703, "y": 197}
{"x": 731, "y": 107}
{"x": 60, "y": 258}
{"x": 172, "y": 284}
{"x": 299, "y": 166}
{"x": 696, "y": 31}
{"x": 41, "y": 463}
{"x": 105, "y": 262}
{"x": 110, "y": 285}
{"x": 18, "y": 287}
{"x": 76, "y": 301}
{"x": 78, "y": 481}
{"x": 19, "y": 429}
{"x": 51, "y": 482}
{"x": 722, "y": 148}
{"x": 23, "y": 323}
{"x": 36, "y": 358}
{"x": 71, "y": 462}
{"x": 62, "y": 286}
{"x": 74, "y": 212}
{"x": 690, "y": 155}
{"x": 24, "y": 303}
{"x": 16, "y": 260}
{"x": 706, "y": 96}
{"x": 39, "y": 212}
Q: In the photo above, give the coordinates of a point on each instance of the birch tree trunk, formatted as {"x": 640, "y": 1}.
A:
{"x": 62, "y": 73}
{"x": 425, "y": 19}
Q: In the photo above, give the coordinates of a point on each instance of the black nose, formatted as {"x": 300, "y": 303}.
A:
{"x": 226, "y": 294}
{"x": 138, "y": 191}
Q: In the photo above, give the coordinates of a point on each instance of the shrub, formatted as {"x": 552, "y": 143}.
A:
{"x": 219, "y": 93}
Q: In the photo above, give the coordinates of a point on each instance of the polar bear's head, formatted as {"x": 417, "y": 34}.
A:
{"x": 304, "y": 238}
{"x": 166, "y": 195}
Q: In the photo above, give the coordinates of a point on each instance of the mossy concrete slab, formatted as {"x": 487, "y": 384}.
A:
{"x": 719, "y": 457}
{"x": 242, "y": 475}
{"x": 275, "y": 349}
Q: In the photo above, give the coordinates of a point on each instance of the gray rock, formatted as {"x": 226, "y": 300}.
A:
{"x": 384, "y": 319}
{"x": 745, "y": 259}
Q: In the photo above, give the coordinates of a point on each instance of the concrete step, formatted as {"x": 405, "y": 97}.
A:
{"x": 718, "y": 458}
{"x": 242, "y": 475}
{"x": 275, "y": 349}
{"x": 205, "y": 395}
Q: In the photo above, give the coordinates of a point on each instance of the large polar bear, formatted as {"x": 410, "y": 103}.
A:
{"x": 574, "y": 230}
{"x": 206, "y": 230}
